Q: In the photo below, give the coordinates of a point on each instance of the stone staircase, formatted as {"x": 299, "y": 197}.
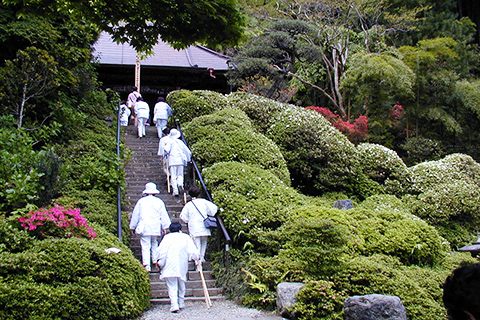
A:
{"x": 145, "y": 166}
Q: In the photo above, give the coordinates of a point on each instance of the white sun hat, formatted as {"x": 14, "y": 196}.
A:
{"x": 174, "y": 134}
{"x": 151, "y": 188}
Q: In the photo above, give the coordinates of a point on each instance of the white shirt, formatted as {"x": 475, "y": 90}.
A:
{"x": 190, "y": 215}
{"x": 124, "y": 112}
{"x": 142, "y": 109}
{"x": 177, "y": 152}
{"x": 161, "y": 145}
{"x": 161, "y": 111}
{"x": 150, "y": 216}
{"x": 173, "y": 254}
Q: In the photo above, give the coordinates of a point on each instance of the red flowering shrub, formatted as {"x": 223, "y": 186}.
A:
{"x": 355, "y": 132}
{"x": 57, "y": 222}
{"x": 396, "y": 115}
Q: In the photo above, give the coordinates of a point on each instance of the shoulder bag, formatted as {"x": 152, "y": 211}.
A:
{"x": 209, "y": 221}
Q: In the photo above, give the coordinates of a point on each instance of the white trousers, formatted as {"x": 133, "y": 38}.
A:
{"x": 201, "y": 243}
{"x": 149, "y": 245}
{"x": 176, "y": 174}
{"x": 176, "y": 292}
{"x": 161, "y": 124}
{"x": 141, "y": 126}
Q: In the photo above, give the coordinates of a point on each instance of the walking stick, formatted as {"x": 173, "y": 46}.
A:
{"x": 204, "y": 285}
{"x": 168, "y": 176}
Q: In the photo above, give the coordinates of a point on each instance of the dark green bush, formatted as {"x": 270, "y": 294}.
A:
{"x": 188, "y": 105}
{"x": 418, "y": 149}
{"x": 418, "y": 288}
{"x": 319, "y": 300}
{"x": 19, "y": 177}
{"x": 262, "y": 111}
{"x": 11, "y": 238}
{"x": 73, "y": 279}
{"x": 383, "y": 166}
{"x": 228, "y": 135}
{"x": 87, "y": 166}
{"x": 319, "y": 157}
{"x": 251, "y": 199}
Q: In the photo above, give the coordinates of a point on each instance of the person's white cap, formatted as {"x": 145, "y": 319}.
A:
{"x": 151, "y": 188}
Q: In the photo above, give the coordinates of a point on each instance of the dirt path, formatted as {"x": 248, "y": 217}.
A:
{"x": 220, "y": 310}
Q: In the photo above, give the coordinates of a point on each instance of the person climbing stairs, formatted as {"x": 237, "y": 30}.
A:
{"x": 145, "y": 166}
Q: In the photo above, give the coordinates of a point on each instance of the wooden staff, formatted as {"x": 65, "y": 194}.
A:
{"x": 204, "y": 285}
{"x": 168, "y": 176}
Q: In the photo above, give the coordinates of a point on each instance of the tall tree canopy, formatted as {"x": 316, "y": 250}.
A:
{"x": 141, "y": 22}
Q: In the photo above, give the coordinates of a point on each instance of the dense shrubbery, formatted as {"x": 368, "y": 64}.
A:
{"x": 445, "y": 193}
{"x": 188, "y": 105}
{"x": 386, "y": 244}
{"x": 319, "y": 157}
{"x": 262, "y": 111}
{"x": 251, "y": 199}
{"x": 46, "y": 272}
{"x": 383, "y": 166}
{"x": 72, "y": 278}
{"x": 228, "y": 135}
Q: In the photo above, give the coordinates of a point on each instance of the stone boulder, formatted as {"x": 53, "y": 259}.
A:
{"x": 343, "y": 204}
{"x": 286, "y": 297}
{"x": 374, "y": 307}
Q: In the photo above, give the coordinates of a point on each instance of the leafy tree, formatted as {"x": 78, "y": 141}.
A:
{"x": 32, "y": 74}
{"x": 140, "y": 23}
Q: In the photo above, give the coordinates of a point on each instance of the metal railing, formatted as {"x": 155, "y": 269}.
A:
{"x": 202, "y": 182}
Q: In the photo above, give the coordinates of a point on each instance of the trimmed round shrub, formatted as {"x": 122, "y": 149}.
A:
{"x": 383, "y": 166}
{"x": 454, "y": 167}
{"x": 262, "y": 111}
{"x": 399, "y": 234}
{"x": 453, "y": 200}
{"x": 319, "y": 157}
{"x": 187, "y": 105}
{"x": 73, "y": 279}
{"x": 251, "y": 199}
{"x": 227, "y": 135}
{"x": 445, "y": 193}
{"x": 418, "y": 288}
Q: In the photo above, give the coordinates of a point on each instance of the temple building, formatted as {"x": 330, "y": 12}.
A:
{"x": 168, "y": 69}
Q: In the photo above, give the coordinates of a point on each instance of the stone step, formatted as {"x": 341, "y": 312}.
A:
{"x": 145, "y": 166}
{"x": 189, "y": 292}
{"x": 163, "y": 301}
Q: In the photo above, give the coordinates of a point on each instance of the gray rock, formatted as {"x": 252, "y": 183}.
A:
{"x": 286, "y": 292}
{"x": 374, "y": 307}
{"x": 343, "y": 204}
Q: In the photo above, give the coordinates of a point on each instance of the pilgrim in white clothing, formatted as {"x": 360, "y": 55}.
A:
{"x": 124, "y": 114}
{"x": 193, "y": 213}
{"x": 172, "y": 256}
{"x": 142, "y": 111}
{"x": 150, "y": 219}
{"x": 161, "y": 112}
{"x": 178, "y": 156}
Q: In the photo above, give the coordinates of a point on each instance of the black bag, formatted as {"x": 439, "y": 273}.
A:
{"x": 210, "y": 222}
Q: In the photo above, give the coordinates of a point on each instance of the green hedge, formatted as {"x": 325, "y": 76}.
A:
{"x": 251, "y": 199}
{"x": 187, "y": 105}
{"x": 262, "y": 111}
{"x": 383, "y": 166}
{"x": 72, "y": 279}
{"x": 228, "y": 135}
